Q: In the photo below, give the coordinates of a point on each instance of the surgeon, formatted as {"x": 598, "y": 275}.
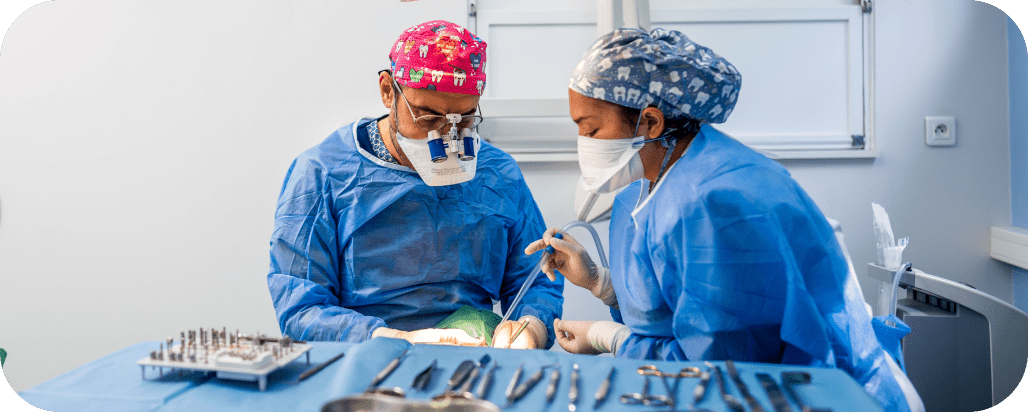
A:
{"x": 394, "y": 223}
{"x": 716, "y": 252}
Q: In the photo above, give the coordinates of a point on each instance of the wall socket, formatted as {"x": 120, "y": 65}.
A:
{"x": 940, "y": 131}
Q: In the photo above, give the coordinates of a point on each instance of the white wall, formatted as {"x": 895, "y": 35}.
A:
{"x": 933, "y": 58}
{"x": 1018, "y": 148}
{"x": 142, "y": 149}
{"x": 143, "y": 144}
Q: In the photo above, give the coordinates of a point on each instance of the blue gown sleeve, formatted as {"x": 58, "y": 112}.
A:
{"x": 637, "y": 346}
{"x": 304, "y": 278}
{"x": 650, "y": 347}
{"x": 545, "y": 299}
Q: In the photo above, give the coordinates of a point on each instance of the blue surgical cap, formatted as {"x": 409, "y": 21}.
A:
{"x": 632, "y": 68}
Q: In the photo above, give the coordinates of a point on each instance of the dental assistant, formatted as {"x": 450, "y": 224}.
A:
{"x": 393, "y": 223}
{"x": 715, "y": 251}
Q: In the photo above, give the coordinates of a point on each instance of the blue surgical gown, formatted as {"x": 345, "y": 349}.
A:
{"x": 361, "y": 243}
{"x": 730, "y": 259}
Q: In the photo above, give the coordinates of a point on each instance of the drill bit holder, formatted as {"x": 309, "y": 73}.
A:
{"x": 248, "y": 358}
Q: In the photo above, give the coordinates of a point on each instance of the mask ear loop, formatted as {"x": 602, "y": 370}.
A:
{"x": 641, "y": 143}
{"x": 663, "y": 139}
{"x": 663, "y": 136}
{"x": 691, "y": 128}
{"x": 669, "y": 147}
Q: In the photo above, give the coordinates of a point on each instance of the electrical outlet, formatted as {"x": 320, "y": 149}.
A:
{"x": 940, "y": 131}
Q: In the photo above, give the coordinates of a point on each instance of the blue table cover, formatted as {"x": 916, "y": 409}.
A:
{"x": 114, "y": 383}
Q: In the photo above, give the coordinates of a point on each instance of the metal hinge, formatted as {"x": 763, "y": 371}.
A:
{"x": 858, "y": 141}
{"x": 866, "y": 5}
{"x": 472, "y": 10}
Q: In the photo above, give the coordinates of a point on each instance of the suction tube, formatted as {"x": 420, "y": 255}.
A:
{"x": 895, "y": 287}
{"x": 545, "y": 256}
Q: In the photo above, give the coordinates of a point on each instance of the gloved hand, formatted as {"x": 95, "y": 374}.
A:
{"x": 533, "y": 337}
{"x": 431, "y": 336}
{"x": 590, "y": 337}
{"x": 572, "y": 260}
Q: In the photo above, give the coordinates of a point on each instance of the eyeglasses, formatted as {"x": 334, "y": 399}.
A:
{"x": 432, "y": 122}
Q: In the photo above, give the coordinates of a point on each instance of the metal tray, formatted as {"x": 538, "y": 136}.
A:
{"x": 385, "y": 403}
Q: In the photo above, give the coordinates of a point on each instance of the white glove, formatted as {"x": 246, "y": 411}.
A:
{"x": 533, "y": 337}
{"x": 590, "y": 337}
{"x": 572, "y": 260}
{"x": 604, "y": 289}
{"x": 431, "y": 336}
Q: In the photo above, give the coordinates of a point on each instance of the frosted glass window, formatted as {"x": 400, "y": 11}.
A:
{"x": 803, "y": 66}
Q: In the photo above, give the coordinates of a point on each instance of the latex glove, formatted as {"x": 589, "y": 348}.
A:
{"x": 431, "y": 336}
{"x": 572, "y": 260}
{"x": 533, "y": 337}
{"x": 590, "y": 337}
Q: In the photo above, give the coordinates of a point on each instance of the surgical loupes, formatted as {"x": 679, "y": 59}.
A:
{"x": 462, "y": 143}
{"x": 467, "y": 145}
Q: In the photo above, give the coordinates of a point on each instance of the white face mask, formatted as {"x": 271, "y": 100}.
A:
{"x": 448, "y": 172}
{"x": 608, "y": 165}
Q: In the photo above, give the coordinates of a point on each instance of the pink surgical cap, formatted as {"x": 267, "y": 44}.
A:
{"x": 439, "y": 55}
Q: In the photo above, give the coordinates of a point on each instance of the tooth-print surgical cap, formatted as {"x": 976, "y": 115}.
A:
{"x": 632, "y": 68}
{"x": 439, "y": 55}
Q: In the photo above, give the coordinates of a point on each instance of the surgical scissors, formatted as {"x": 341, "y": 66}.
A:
{"x": 645, "y": 398}
{"x": 672, "y": 390}
{"x": 687, "y": 372}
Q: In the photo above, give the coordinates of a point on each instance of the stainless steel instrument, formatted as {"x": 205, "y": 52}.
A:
{"x": 750, "y": 400}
